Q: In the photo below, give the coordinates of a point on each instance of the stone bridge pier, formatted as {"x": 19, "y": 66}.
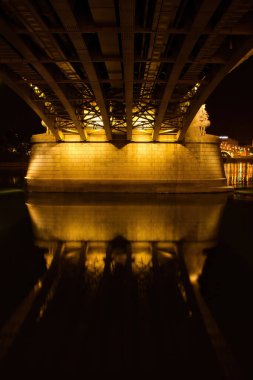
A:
{"x": 141, "y": 166}
{"x": 120, "y": 87}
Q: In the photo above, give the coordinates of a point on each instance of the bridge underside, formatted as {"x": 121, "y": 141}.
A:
{"x": 129, "y": 70}
{"x": 120, "y": 72}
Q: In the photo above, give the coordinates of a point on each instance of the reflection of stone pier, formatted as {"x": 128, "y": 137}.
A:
{"x": 116, "y": 297}
{"x": 149, "y": 223}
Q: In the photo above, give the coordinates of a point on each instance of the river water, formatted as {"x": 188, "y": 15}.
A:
{"x": 124, "y": 285}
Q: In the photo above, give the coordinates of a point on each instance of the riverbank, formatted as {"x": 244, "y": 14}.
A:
{"x": 12, "y": 174}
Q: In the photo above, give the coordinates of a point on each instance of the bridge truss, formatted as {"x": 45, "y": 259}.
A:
{"x": 130, "y": 70}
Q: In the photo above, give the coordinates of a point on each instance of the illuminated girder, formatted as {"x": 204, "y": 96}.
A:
{"x": 123, "y": 67}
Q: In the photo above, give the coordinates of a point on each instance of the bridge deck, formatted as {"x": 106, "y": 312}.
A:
{"x": 134, "y": 70}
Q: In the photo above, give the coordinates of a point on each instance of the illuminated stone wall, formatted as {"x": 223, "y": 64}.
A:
{"x": 137, "y": 167}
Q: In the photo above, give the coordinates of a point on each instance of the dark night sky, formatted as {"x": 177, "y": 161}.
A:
{"x": 230, "y": 108}
{"x": 16, "y": 115}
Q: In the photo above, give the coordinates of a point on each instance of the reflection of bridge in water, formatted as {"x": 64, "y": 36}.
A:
{"x": 147, "y": 225}
{"x": 132, "y": 73}
{"x": 117, "y": 297}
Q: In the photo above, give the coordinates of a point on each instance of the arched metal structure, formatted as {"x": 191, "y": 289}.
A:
{"x": 121, "y": 68}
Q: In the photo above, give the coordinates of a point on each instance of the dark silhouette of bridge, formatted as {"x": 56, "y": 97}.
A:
{"x": 121, "y": 68}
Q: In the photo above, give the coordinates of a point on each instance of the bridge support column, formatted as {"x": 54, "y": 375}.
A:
{"x": 192, "y": 167}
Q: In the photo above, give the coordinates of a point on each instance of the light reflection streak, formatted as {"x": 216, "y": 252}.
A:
{"x": 10, "y": 330}
{"x": 239, "y": 174}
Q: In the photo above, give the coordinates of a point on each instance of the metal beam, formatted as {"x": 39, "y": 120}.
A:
{"x": 127, "y": 12}
{"x": 67, "y": 18}
{"x": 138, "y": 81}
{"x": 208, "y": 89}
{"x": 204, "y": 14}
{"x": 241, "y": 29}
{"x": 164, "y": 14}
{"x": 30, "y": 57}
{"x": 71, "y": 92}
{"x": 104, "y": 58}
{"x": 94, "y": 28}
{"x": 24, "y": 95}
{"x": 231, "y": 15}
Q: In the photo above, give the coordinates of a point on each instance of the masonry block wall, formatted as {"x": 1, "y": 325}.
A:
{"x": 137, "y": 167}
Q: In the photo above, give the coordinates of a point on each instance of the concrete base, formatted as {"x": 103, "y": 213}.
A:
{"x": 195, "y": 167}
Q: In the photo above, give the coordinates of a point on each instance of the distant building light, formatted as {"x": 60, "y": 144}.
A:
{"x": 223, "y": 137}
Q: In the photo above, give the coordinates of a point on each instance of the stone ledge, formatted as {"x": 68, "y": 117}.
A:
{"x": 127, "y": 186}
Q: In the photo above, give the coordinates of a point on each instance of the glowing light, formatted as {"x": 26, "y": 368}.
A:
{"x": 141, "y": 262}
{"x": 95, "y": 262}
{"x": 92, "y": 120}
{"x": 168, "y": 130}
{"x": 48, "y": 258}
{"x": 143, "y": 117}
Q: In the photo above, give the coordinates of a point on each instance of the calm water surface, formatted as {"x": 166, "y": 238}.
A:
{"x": 116, "y": 285}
